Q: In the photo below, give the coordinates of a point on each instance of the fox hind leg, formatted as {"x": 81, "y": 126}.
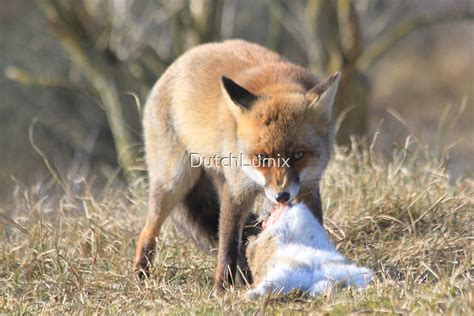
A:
{"x": 164, "y": 195}
{"x": 170, "y": 174}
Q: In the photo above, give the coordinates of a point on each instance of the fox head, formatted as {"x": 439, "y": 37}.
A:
{"x": 284, "y": 135}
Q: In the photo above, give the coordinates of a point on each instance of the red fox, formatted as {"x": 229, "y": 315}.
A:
{"x": 239, "y": 100}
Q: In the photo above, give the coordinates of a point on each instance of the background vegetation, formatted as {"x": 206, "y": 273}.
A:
{"x": 72, "y": 252}
{"x": 84, "y": 68}
{"x": 398, "y": 197}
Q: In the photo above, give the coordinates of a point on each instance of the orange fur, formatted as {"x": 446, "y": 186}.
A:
{"x": 191, "y": 110}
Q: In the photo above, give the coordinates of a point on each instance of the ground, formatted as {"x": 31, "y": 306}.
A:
{"x": 66, "y": 249}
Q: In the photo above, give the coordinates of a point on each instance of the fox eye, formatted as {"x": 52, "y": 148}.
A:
{"x": 262, "y": 160}
{"x": 297, "y": 155}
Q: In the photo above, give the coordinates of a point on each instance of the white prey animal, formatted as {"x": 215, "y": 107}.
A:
{"x": 294, "y": 252}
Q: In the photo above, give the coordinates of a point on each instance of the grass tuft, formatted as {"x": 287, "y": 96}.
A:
{"x": 71, "y": 252}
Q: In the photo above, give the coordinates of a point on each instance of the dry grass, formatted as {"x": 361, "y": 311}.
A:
{"x": 71, "y": 252}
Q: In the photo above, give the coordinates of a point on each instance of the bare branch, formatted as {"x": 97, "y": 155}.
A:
{"x": 25, "y": 78}
{"x": 229, "y": 13}
{"x": 100, "y": 78}
{"x": 46, "y": 161}
{"x": 349, "y": 30}
{"x": 377, "y": 49}
{"x": 311, "y": 34}
{"x": 289, "y": 20}
{"x": 381, "y": 20}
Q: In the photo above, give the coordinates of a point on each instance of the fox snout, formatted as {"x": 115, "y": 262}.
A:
{"x": 282, "y": 185}
{"x": 283, "y": 195}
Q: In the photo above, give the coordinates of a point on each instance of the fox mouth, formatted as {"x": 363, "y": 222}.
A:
{"x": 273, "y": 214}
{"x": 282, "y": 195}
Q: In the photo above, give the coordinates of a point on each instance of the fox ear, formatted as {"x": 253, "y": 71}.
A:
{"x": 236, "y": 94}
{"x": 321, "y": 97}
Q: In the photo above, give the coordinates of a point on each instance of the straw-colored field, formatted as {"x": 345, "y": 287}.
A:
{"x": 71, "y": 252}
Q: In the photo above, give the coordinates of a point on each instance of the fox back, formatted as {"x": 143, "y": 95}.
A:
{"x": 240, "y": 98}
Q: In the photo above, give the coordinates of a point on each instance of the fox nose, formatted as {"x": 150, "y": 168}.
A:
{"x": 282, "y": 197}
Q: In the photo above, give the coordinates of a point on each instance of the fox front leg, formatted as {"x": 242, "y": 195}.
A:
{"x": 230, "y": 257}
{"x": 312, "y": 198}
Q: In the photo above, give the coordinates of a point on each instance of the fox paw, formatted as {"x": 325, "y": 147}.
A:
{"x": 258, "y": 292}
{"x": 253, "y": 294}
